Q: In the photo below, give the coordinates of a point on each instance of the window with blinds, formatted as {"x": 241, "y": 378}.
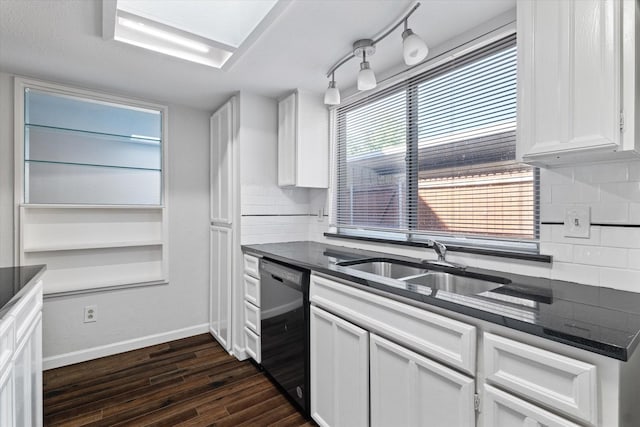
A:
{"x": 434, "y": 157}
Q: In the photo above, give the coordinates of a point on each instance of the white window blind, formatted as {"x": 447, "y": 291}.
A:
{"x": 434, "y": 156}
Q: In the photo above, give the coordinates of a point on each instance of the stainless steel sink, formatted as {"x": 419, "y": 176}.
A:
{"x": 390, "y": 269}
{"x": 447, "y": 282}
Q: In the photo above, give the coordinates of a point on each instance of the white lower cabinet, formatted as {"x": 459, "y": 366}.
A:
{"x": 251, "y": 307}
{"x": 6, "y": 395}
{"x": 408, "y": 389}
{"x": 561, "y": 383}
{"x": 21, "y": 361}
{"x": 339, "y": 371}
{"x": 27, "y": 368}
{"x": 501, "y": 409}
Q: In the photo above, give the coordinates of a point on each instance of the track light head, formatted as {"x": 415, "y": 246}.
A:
{"x": 414, "y": 49}
{"x": 332, "y": 94}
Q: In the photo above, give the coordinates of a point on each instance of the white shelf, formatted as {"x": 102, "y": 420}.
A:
{"x": 67, "y": 206}
{"x": 89, "y": 246}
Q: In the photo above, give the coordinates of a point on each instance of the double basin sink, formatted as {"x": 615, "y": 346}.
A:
{"x": 420, "y": 277}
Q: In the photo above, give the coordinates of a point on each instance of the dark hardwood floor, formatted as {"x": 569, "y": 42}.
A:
{"x": 188, "y": 382}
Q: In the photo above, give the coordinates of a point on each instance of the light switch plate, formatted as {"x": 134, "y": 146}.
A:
{"x": 577, "y": 222}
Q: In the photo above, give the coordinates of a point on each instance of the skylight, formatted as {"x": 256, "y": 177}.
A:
{"x": 207, "y": 32}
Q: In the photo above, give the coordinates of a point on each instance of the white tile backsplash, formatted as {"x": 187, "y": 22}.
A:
{"x": 610, "y": 213}
{"x": 571, "y": 272}
{"x": 600, "y": 256}
{"x": 620, "y": 237}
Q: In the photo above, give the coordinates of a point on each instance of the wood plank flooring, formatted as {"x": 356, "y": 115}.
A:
{"x": 188, "y": 382}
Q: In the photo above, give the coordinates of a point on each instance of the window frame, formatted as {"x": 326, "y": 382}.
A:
{"x": 457, "y": 241}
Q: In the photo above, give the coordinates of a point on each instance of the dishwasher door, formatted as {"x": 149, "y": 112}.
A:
{"x": 284, "y": 314}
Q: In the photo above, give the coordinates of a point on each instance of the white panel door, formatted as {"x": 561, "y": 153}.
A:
{"x": 222, "y": 140}
{"x": 502, "y": 409}
{"x": 7, "y": 335}
{"x": 408, "y": 389}
{"x": 27, "y": 370}
{"x": 6, "y": 396}
{"x": 569, "y": 77}
{"x": 339, "y": 371}
{"x": 220, "y": 285}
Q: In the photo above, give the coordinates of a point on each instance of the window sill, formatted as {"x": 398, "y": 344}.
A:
{"x": 452, "y": 248}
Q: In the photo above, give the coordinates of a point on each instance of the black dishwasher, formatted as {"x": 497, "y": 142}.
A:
{"x": 284, "y": 317}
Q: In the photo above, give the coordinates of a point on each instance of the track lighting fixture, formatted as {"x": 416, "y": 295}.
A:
{"x": 414, "y": 50}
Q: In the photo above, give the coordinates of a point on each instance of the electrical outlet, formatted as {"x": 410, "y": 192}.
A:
{"x": 577, "y": 222}
{"x": 90, "y": 313}
{"x": 320, "y": 215}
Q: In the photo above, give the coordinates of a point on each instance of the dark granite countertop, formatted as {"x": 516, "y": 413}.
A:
{"x": 601, "y": 320}
{"x": 13, "y": 280}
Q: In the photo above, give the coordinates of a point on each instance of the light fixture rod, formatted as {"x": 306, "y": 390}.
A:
{"x": 384, "y": 33}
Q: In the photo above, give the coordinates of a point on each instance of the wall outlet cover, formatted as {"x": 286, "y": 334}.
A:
{"x": 577, "y": 222}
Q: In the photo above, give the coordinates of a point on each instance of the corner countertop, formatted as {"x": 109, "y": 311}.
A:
{"x": 13, "y": 280}
{"x": 601, "y": 320}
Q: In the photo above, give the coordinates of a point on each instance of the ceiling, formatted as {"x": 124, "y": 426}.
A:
{"x": 61, "y": 40}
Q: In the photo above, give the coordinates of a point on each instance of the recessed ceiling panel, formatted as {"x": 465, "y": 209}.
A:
{"x": 224, "y": 21}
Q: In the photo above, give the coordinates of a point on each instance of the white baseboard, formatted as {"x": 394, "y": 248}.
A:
{"x": 65, "y": 359}
{"x": 239, "y": 353}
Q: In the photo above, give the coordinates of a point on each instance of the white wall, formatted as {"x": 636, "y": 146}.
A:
{"x": 138, "y": 316}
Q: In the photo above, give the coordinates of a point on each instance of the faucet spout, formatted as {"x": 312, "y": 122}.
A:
{"x": 441, "y": 250}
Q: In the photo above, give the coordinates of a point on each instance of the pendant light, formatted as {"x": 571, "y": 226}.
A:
{"x": 366, "y": 76}
{"x": 414, "y": 50}
{"x": 332, "y": 95}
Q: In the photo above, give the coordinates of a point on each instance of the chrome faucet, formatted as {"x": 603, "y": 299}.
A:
{"x": 441, "y": 250}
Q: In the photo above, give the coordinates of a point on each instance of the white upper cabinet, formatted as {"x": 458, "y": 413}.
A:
{"x": 576, "y": 67}
{"x": 303, "y": 141}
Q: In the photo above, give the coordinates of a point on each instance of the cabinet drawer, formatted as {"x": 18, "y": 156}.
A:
{"x": 430, "y": 334}
{"x": 501, "y": 409}
{"x": 252, "y": 317}
{"x": 559, "y": 382}
{"x": 7, "y": 344}
{"x": 252, "y": 290}
{"x": 26, "y": 310}
{"x": 251, "y": 266}
{"x": 253, "y": 345}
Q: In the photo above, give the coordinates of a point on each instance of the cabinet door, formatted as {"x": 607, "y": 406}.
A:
{"x": 287, "y": 139}
{"x": 339, "y": 371}
{"x": 569, "y": 78}
{"x": 501, "y": 409}
{"x": 27, "y": 377}
{"x": 222, "y": 139}
{"x": 220, "y": 285}
{"x": 408, "y": 389}
{"x": 6, "y": 395}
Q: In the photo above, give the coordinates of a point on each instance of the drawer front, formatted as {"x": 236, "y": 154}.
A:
{"x": 7, "y": 341}
{"x": 252, "y": 317}
{"x": 26, "y": 310}
{"x": 252, "y": 290}
{"x": 502, "y": 409}
{"x": 253, "y": 345}
{"x": 553, "y": 380}
{"x": 251, "y": 265}
{"x": 430, "y": 334}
